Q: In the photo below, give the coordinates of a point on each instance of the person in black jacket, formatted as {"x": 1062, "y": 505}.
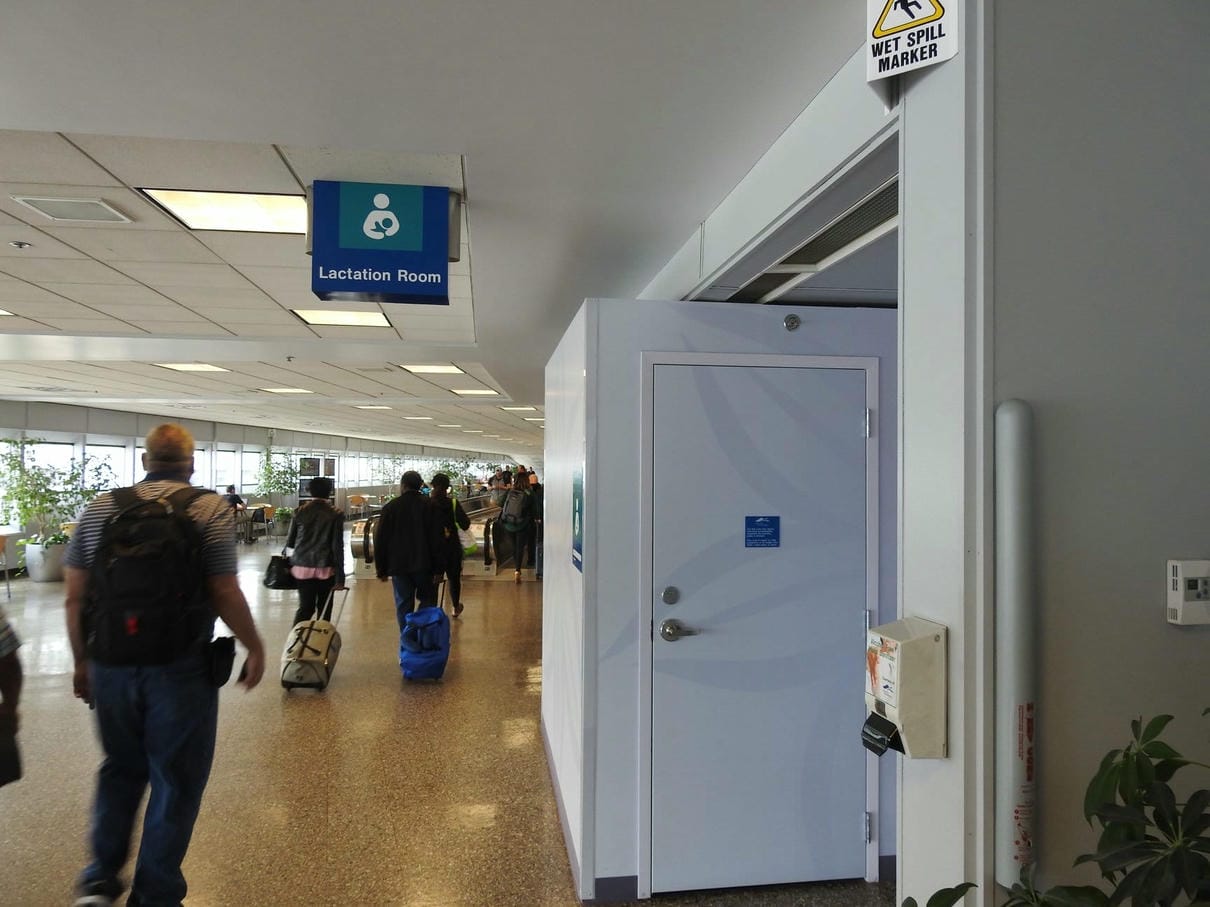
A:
{"x": 451, "y": 517}
{"x": 318, "y": 559}
{"x": 409, "y": 548}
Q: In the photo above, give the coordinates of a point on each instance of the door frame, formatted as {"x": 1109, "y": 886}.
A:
{"x": 650, "y": 359}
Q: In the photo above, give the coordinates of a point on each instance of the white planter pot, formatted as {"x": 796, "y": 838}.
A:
{"x": 45, "y": 564}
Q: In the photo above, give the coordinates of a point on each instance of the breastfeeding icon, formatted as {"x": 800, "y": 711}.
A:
{"x": 381, "y": 222}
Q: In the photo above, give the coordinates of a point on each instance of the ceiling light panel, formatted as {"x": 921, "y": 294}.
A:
{"x": 338, "y": 317}
{"x": 234, "y": 211}
{"x": 191, "y": 367}
{"x": 376, "y": 406}
{"x": 475, "y": 392}
{"x": 520, "y": 409}
{"x": 286, "y": 390}
{"x": 433, "y": 369}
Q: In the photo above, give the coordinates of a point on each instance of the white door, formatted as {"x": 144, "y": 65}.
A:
{"x": 758, "y": 774}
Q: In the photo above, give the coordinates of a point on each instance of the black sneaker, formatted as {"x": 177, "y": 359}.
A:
{"x": 458, "y": 609}
{"x": 97, "y": 894}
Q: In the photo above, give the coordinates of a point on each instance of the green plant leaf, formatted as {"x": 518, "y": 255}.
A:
{"x": 1165, "y": 814}
{"x": 1102, "y": 789}
{"x": 1136, "y": 729}
{"x": 1131, "y": 815}
{"x": 1129, "y": 885}
{"x": 1154, "y": 727}
{"x": 1165, "y": 769}
{"x": 1158, "y": 749}
{"x": 1128, "y": 784}
{"x": 1195, "y": 809}
{"x": 947, "y": 897}
{"x": 1119, "y": 857}
{"x": 909, "y": 902}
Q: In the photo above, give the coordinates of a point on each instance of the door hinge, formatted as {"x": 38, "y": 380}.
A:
{"x": 868, "y": 826}
{"x": 867, "y": 423}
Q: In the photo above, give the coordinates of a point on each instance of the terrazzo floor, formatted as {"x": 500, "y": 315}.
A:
{"x": 376, "y": 792}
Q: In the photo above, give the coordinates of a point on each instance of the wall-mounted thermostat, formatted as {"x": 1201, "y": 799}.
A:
{"x": 1189, "y": 592}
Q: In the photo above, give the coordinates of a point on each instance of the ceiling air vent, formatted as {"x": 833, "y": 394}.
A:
{"x": 859, "y": 221}
{"x": 73, "y": 210}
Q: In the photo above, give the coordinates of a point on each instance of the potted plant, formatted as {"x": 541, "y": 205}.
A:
{"x": 41, "y": 499}
{"x": 1153, "y": 849}
{"x": 281, "y": 520}
{"x": 278, "y": 479}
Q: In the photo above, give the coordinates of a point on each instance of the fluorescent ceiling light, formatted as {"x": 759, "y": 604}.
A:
{"x": 3, "y": 313}
{"x": 419, "y": 418}
{"x": 472, "y": 431}
{"x": 286, "y": 390}
{"x": 449, "y": 426}
{"x": 535, "y": 418}
{"x": 347, "y": 319}
{"x": 190, "y": 367}
{"x": 433, "y": 369}
{"x": 239, "y": 211}
{"x": 520, "y": 409}
{"x": 477, "y": 393}
{"x": 73, "y": 210}
{"x": 373, "y": 406}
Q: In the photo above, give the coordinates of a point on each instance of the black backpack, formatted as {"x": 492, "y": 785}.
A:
{"x": 512, "y": 511}
{"x": 146, "y": 591}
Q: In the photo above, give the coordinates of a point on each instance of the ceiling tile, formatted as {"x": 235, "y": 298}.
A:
{"x": 215, "y": 297}
{"x": 180, "y": 164}
{"x": 41, "y": 245}
{"x": 19, "y": 291}
{"x": 148, "y": 315}
{"x": 92, "y": 325}
{"x": 46, "y": 157}
{"x": 51, "y": 309}
{"x": 175, "y": 274}
{"x": 272, "y": 249}
{"x": 191, "y": 328}
{"x": 269, "y": 330}
{"x": 143, "y": 214}
{"x": 118, "y": 244}
{"x": 20, "y": 325}
{"x": 338, "y": 332}
{"x": 109, "y": 294}
{"x": 280, "y": 280}
{"x": 268, "y": 314}
{"x": 63, "y": 270}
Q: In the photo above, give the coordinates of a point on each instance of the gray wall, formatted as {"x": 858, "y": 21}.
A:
{"x": 1101, "y": 322}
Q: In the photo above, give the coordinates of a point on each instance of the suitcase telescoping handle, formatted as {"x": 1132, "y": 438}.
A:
{"x": 328, "y": 604}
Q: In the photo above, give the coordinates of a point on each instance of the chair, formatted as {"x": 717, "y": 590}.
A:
{"x": 357, "y": 505}
{"x": 8, "y": 584}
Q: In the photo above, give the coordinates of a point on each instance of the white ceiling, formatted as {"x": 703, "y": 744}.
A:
{"x": 589, "y": 139}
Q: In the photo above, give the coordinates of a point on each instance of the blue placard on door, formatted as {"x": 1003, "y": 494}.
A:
{"x": 762, "y": 532}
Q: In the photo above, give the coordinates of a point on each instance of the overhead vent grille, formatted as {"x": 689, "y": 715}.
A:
{"x": 873, "y": 211}
{"x": 73, "y": 210}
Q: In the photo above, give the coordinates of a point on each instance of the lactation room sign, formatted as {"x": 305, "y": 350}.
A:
{"x": 374, "y": 242}
{"x": 762, "y": 532}
{"x": 902, "y": 35}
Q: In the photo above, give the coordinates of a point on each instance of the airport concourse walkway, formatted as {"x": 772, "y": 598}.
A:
{"x": 376, "y": 792}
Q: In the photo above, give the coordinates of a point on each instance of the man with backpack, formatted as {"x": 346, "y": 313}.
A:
{"x": 516, "y": 518}
{"x": 147, "y": 571}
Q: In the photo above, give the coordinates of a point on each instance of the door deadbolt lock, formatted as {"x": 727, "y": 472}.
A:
{"x": 673, "y": 629}
{"x": 671, "y": 595}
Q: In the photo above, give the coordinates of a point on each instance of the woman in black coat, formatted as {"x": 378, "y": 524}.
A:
{"x": 450, "y": 517}
{"x": 318, "y": 559}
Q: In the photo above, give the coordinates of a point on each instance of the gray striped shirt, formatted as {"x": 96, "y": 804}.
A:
{"x": 210, "y": 511}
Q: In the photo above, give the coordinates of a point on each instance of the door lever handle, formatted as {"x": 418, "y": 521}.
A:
{"x": 672, "y": 630}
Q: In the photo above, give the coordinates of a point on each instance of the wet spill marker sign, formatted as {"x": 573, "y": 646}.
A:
{"x": 909, "y": 34}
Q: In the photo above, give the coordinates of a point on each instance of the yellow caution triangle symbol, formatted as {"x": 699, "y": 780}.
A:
{"x": 900, "y": 15}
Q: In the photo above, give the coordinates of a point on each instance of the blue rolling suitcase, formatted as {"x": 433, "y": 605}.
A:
{"x": 424, "y": 644}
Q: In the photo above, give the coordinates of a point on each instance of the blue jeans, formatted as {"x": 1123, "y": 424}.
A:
{"x": 157, "y": 725}
{"x": 411, "y": 586}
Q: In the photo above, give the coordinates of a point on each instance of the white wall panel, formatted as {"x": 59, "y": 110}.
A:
{"x": 627, "y": 328}
{"x": 565, "y": 608}
{"x": 1101, "y": 324}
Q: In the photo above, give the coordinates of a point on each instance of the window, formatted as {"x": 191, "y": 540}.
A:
{"x": 201, "y": 469}
{"x": 249, "y": 477}
{"x": 118, "y": 459}
{"x": 226, "y": 470}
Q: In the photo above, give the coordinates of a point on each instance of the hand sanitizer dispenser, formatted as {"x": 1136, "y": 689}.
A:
{"x": 905, "y": 689}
